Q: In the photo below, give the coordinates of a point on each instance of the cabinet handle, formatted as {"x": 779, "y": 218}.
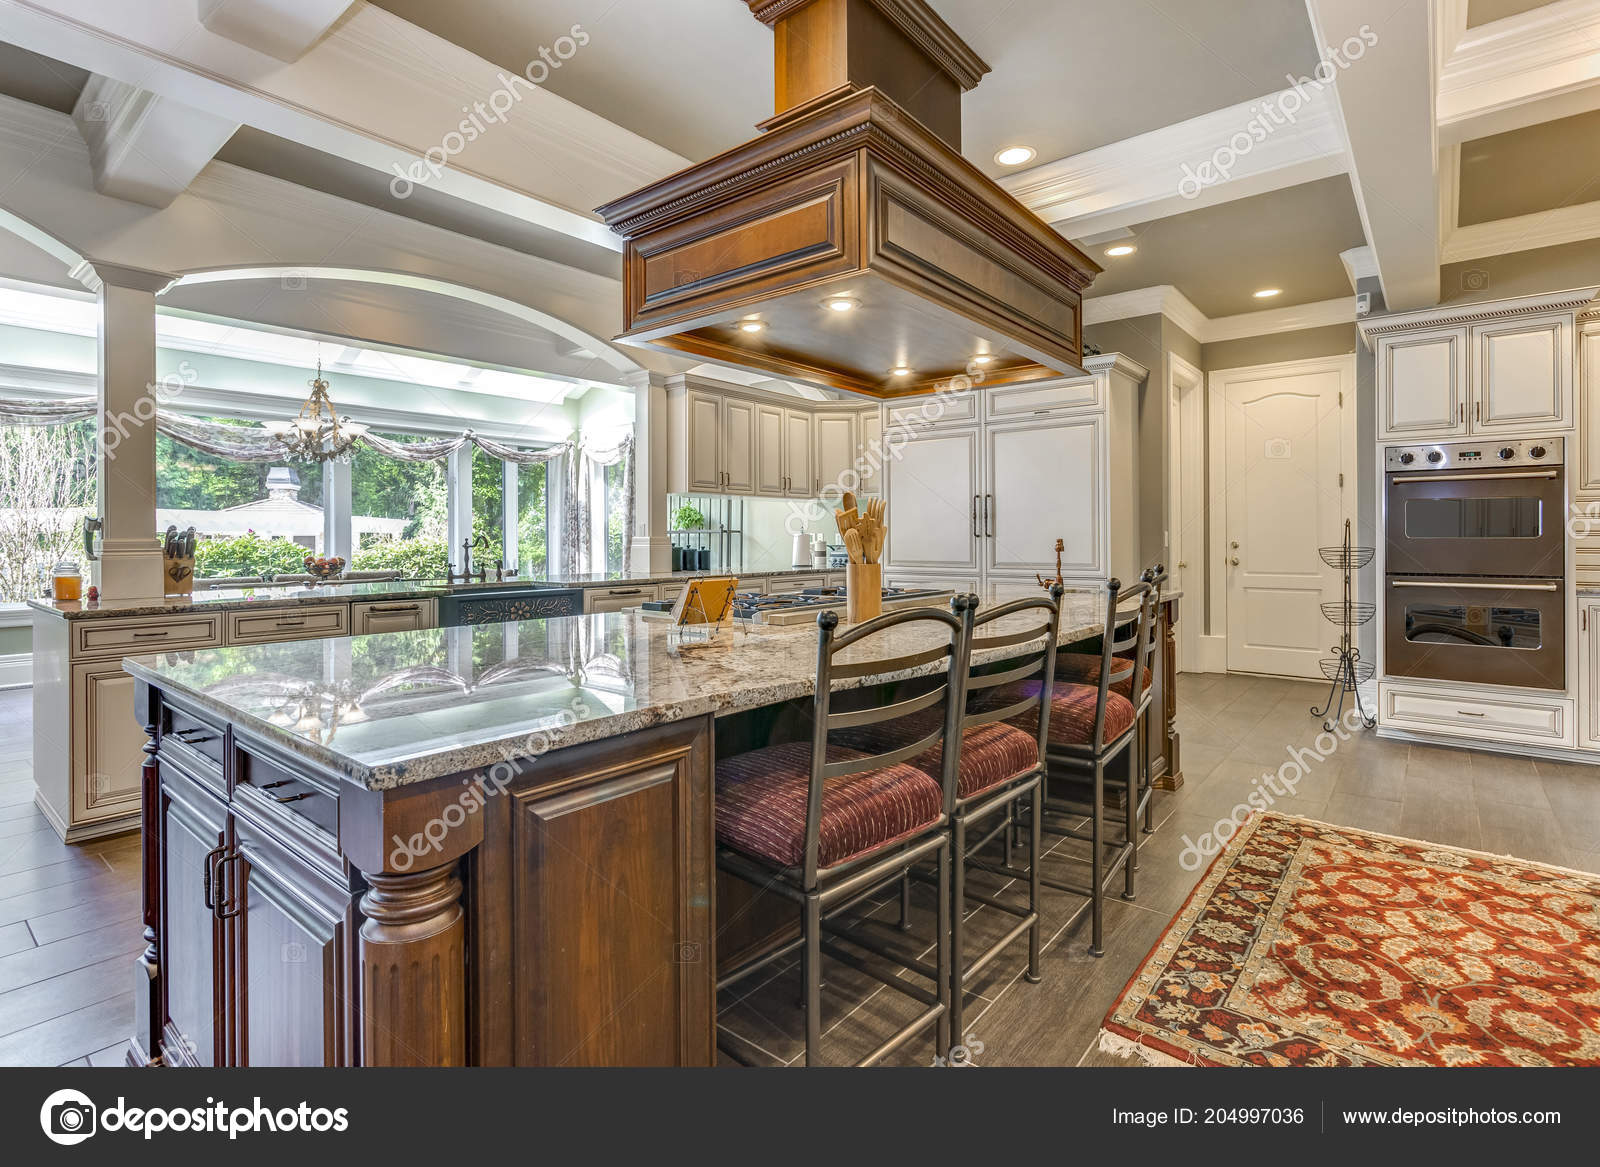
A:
{"x": 210, "y": 874}
{"x": 150, "y": 635}
{"x": 291, "y": 623}
{"x": 975, "y": 516}
{"x": 1470, "y": 713}
{"x": 395, "y": 608}
{"x": 1477, "y": 412}
{"x": 1463, "y": 413}
{"x": 988, "y": 515}
{"x": 191, "y": 737}
{"x": 625, "y": 592}
{"x": 225, "y": 910}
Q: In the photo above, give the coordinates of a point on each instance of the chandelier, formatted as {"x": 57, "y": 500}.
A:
{"x": 318, "y": 434}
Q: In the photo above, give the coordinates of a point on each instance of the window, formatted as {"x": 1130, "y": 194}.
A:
{"x": 488, "y": 509}
{"x": 533, "y": 509}
{"x": 614, "y": 478}
{"x": 398, "y": 513}
{"x": 47, "y": 486}
{"x": 253, "y": 518}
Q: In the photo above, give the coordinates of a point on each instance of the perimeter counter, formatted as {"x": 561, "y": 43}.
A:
{"x": 487, "y": 845}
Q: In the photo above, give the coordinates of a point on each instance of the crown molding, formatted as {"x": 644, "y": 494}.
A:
{"x": 1143, "y": 177}
{"x": 1120, "y": 363}
{"x": 916, "y": 21}
{"x": 1569, "y": 300}
{"x": 1359, "y": 264}
{"x": 1168, "y": 301}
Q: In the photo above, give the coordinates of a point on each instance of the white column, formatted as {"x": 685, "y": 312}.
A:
{"x": 337, "y": 536}
{"x": 130, "y": 556}
{"x": 458, "y": 478}
{"x": 651, "y": 549}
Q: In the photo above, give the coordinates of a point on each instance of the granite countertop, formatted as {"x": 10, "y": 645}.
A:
{"x": 283, "y": 595}
{"x": 403, "y": 707}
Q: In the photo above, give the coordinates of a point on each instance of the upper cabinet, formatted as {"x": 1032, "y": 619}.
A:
{"x": 1505, "y": 368}
{"x": 1587, "y": 474}
{"x": 736, "y": 440}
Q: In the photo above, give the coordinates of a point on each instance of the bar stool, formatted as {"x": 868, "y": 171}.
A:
{"x": 1090, "y": 727}
{"x": 827, "y": 825}
{"x": 1003, "y": 732}
{"x": 1136, "y": 684}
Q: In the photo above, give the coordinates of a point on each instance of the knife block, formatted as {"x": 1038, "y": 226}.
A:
{"x": 177, "y": 576}
{"x": 863, "y": 591}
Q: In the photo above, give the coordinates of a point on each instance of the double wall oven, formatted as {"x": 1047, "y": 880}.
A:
{"x": 1475, "y": 562}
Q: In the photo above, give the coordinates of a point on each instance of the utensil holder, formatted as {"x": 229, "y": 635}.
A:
{"x": 863, "y": 591}
{"x": 177, "y": 576}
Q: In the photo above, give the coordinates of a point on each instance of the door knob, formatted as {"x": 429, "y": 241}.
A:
{"x": 1234, "y": 561}
{"x": 1234, "y": 545}
{"x": 1182, "y": 565}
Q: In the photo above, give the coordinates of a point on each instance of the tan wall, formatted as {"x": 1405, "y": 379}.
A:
{"x": 1521, "y": 273}
{"x": 1302, "y": 344}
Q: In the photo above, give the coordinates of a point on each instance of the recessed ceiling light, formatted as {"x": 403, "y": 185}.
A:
{"x": 900, "y": 371}
{"x": 1121, "y": 249}
{"x": 1015, "y": 155}
{"x": 982, "y": 358}
{"x": 840, "y": 303}
{"x": 1267, "y": 293}
{"x": 751, "y": 326}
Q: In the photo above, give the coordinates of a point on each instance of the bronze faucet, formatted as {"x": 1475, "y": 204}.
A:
{"x": 467, "y": 575}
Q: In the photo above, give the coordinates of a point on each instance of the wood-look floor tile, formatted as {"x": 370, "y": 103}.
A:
{"x": 113, "y": 1056}
{"x": 72, "y": 1035}
{"x": 15, "y": 938}
{"x": 67, "y": 992}
{"x": 86, "y": 916}
{"x": 48, "y": 960}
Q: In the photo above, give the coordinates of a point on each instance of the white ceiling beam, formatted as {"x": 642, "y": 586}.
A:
{"x": 280, "y": 28}
{"x": 145, "y": 148}
{"x": 1280, "y": 140}
{"x": 1529, "y": 68}
{"x": 1386, "y": 104}
{"x": 1550, "y": 228}
{"x": 377, "y": 91}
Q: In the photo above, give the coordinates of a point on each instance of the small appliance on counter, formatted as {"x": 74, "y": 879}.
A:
{"x": 802, "y": 550}
{"x": 819, "y": 553}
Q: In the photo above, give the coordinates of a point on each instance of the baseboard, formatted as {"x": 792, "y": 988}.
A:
{"x": 120, "y": 825}
{"x": 1212, "y": 652}
{"x": 16, "y": 670}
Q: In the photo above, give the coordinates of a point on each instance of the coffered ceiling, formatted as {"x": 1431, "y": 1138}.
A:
{"x": 1535, "y": 168}
{"x": 1488, "y": 11}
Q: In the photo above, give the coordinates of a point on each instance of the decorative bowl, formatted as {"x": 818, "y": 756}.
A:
{"x": 323, "y": 568}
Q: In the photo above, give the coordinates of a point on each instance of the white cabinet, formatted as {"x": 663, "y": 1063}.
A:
{"x": 836, "y": 448}
{"x": 701, "y": 469}
{"x": 935, "y": 495}
{"x": 1587, "y": 471}
{"x": 373, "y": 616}
{"x": 799, "y": 481}
{"x": 107, "y": 743}
{"x": 1522, "y": 373}
{"x": 738, "y": 446}
{"x": 1588, "y": 681}
{"x": 869, "y": 451}
{"x": 771, "y": 447}
{"x": 1477, "y": 714}
{"x": 1422, "y": 378}
{"x": 1438, "y": 379}
{"x": 1043, "y": 481}
{"x": 985, "y": 499}
{"x": 616, "y": 599}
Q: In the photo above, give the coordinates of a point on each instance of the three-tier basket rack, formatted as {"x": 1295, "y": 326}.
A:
{"x": 1345, "y": 670}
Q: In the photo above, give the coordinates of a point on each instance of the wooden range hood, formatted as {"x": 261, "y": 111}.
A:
{"x": 856, "y": 190}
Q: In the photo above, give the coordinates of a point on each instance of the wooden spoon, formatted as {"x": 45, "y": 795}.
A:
{"x": 852, "y": 545}
{"x": 848, "y": 499}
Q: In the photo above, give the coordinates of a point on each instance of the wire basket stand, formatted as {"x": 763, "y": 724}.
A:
{"x": 1345, "y": 670}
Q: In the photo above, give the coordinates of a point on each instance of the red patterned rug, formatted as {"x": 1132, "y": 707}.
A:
{"x": 1313, "y": 945}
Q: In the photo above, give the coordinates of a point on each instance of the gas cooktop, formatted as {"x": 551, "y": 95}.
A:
{"x": 802, "y": 607}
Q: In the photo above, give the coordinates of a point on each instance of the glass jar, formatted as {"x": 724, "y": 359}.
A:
{"x": 66, "y": 581}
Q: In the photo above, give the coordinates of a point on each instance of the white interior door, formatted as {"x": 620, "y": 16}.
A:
{"x": 1186, "y": 504}
{"x": 1285, "y": 453}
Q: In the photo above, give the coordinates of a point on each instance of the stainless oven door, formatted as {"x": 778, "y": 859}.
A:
{"x": 1483, "y": 631}
{"x": 1477, "y": 522}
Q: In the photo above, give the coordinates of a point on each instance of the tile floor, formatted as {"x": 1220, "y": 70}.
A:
{"x": 69, "y": 916}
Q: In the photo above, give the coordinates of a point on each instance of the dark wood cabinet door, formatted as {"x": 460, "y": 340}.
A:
{"x": 193, "y": 957}
{"x": 292, "y": 946}
{"x": 610, "y": 904}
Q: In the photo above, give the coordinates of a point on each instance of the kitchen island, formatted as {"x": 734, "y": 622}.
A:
{"x": 484, "y": 845}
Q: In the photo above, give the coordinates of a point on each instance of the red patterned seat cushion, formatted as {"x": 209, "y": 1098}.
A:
{"x": 1083, "y": 668}
{"x": 1071, "y": 712}
{"x": 761, "y": 804}
{"x": 990, "y": 754}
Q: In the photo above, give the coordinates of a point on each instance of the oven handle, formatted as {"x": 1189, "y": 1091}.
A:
{"x": 1485, "y": 587}
{"x": 1475, "y": 477}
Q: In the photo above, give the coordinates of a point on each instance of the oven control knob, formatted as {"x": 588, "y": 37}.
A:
{"x": 1407, "y": 458}
{"x": 1435, "y": 456}
{"x": 1536, "y": 452}
{"x": 1507, "y": 453}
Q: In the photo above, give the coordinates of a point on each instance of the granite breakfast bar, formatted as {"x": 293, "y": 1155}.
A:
{"x": 486, "y": 844}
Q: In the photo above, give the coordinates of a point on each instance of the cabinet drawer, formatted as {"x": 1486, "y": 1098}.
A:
{"x": 288, "y": 624}
{"x": 195, "y": 743}
{"x": 619, "y": 598}
{"x": 1042, "y": 399}
{"x": 939, "y": 410}
{"x": 1530, "y": 719}
{"x": 372, "y": 616}
{"x": 798, "y": 583}
{"x": 146, "y": 634}
{"x": 755, "y": 583}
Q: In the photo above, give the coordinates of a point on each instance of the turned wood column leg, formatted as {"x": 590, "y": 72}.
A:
{"x": 414, "y": 969}
{"x": 144, "y": 1048}
{"x": 1166, "y": 713}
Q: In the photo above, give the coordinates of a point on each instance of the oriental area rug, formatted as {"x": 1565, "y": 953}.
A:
{"x": 1313, "y": 945}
